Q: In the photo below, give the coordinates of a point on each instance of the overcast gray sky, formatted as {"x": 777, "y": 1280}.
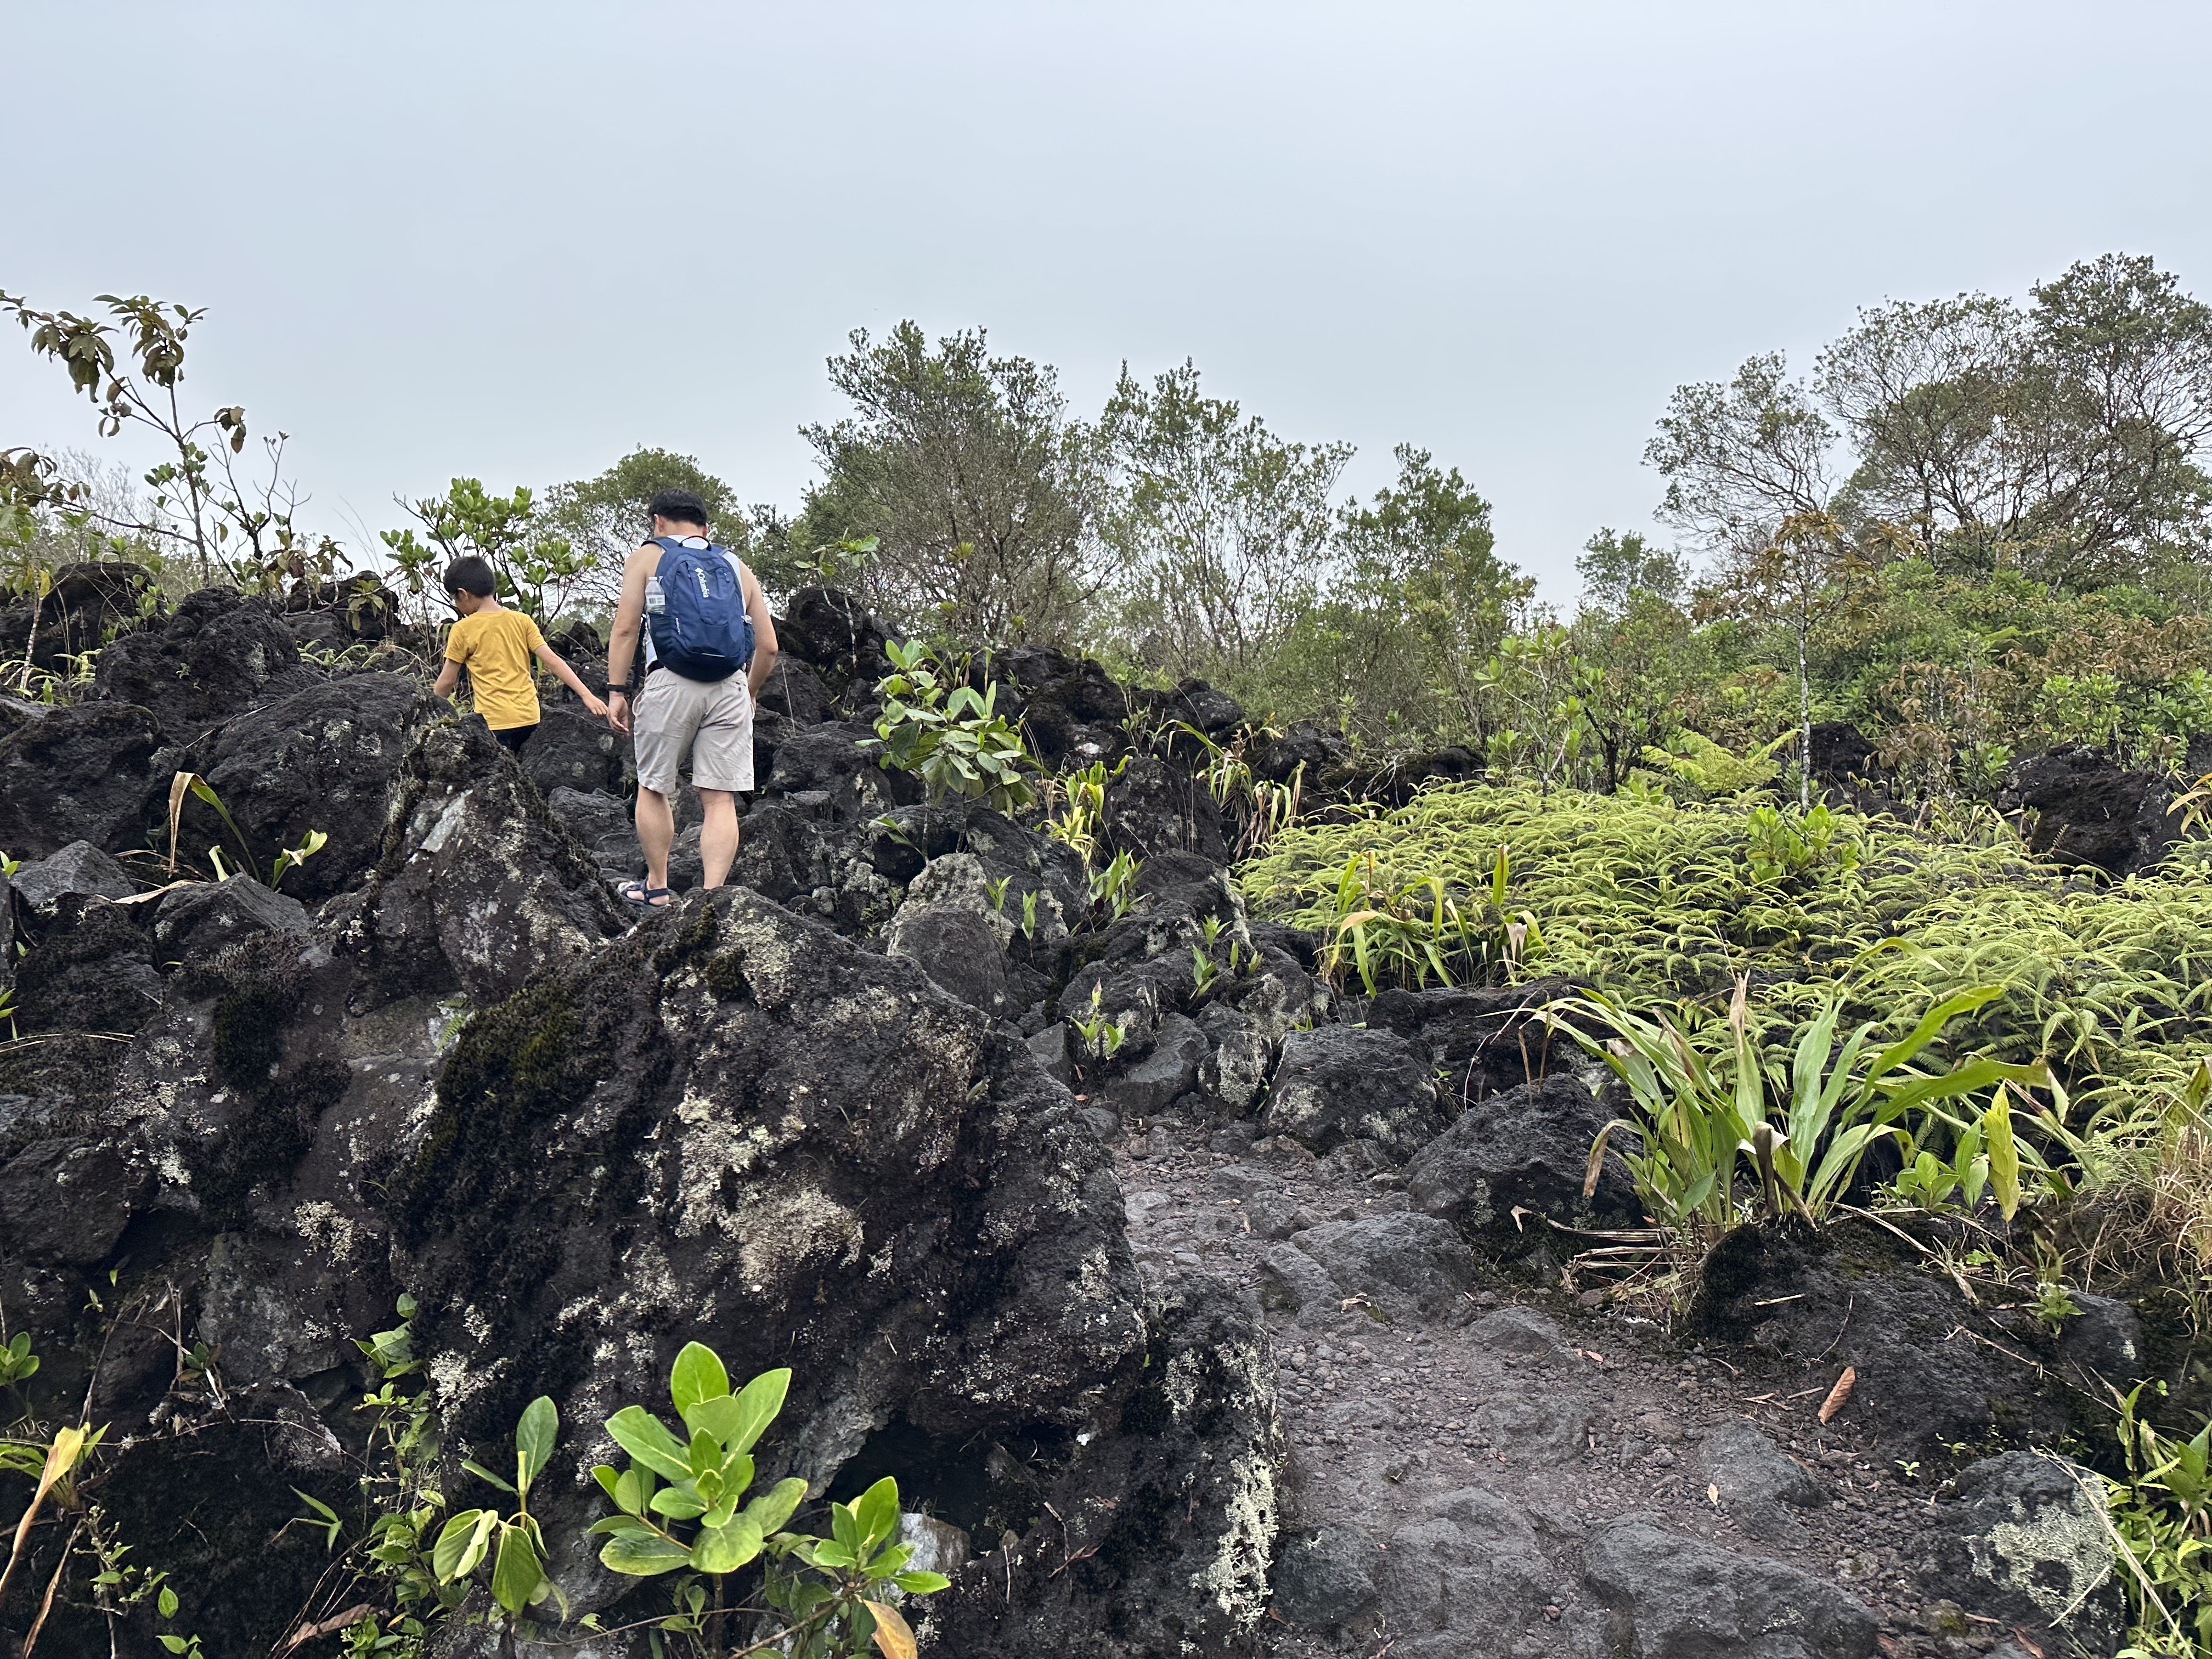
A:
{"x": 514, "y": 240}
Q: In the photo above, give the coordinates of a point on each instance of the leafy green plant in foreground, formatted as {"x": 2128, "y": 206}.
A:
{"x": 192, "y": 786}
{"x": 1716, "y": 1107}
{"x": 681, "y": 1507}
{"x": 2161, "y": 1520}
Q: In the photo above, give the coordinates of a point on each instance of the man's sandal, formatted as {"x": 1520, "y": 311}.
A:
{"x": 645, "y": 897}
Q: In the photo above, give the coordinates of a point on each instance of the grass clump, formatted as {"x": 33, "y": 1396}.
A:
{"x": 1647, "y": 897}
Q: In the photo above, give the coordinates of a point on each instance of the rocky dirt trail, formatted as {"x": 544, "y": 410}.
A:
{"x": 1480, "y": 1467}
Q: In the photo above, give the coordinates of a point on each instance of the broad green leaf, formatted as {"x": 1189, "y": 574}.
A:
{"x": 610, "y": 1482}
{"x": 618, "y": 1524}
{"x": 1931, "y": 1022}
{"x": 845, "y": 1527}
{"x": 485, "y": 1474}
{"x": 828, "y": 1554}
{"x": 646, "y": 1439}
{"x": 2004, "y": 1154}
{"x": 516, "y": 1573}
{"x": 704, "y": 1453}
{"x": 165, "y": 1602}
{"x": 759, "y": 1402}
{"x": 461, "y": 1544}
{"x": 643, "y": 1555}
{"x": 876, "y": 1511}
{"x": 680, "y": 1502}
{"x": 534, "y": 1439}
{"x": 921, "y": 1583}
{"x": 635, "y": 1490}
{"x": 777, "y": 1505}
{"x": 697, "y": 1375}
{"x": 726, "y": 1549}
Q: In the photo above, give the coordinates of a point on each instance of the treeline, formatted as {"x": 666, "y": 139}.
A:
{"x": 1979, "y": 526}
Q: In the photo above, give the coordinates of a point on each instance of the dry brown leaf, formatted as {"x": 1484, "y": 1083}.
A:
{"x": 892, "y": 1635}
{"x": 1838, "y": 1394}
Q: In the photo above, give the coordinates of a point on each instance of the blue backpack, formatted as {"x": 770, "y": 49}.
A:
{"x": 695, "y": 608}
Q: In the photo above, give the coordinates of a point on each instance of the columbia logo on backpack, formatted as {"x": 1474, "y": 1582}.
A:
{"x": 695, "y": 608}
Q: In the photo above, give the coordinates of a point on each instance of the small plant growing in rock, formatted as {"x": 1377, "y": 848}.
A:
{"x": 995, "y": 890}
{"x": 1029, "y": 913}
{"x": 683, "y": 1509}
{"x": 1204, "y": 969}
{"x": 2054, "y": 1305}
{"x": 513, "y": 1544}
{"x": 949, "y": 735}
{"x": 1101, "y": 1034}
{"x": 1080, "y": 805}
{"x": 192, "y": 786}
{"x": 17, "y": 1362}
{"x": 1115, "y": 887}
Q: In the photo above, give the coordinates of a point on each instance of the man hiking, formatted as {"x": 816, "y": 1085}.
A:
{"x": 710, "y": 644}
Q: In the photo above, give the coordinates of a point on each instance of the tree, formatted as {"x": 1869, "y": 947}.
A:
{"x": 1222, "y": 531}
{"x": 2058, "y": 439}
{"x": 237, "y": 525}
{"x": 1618, "y": 568}
{"x": 1388, "y": 645}
{"x": 1807, "y": 574}
{"x": 2064, "y": 437}
{"x": 1740, "y": 458}
{"x": 608, "y": 515}
{"x": 541, "y": 570}
{"x": 977, "y": 487}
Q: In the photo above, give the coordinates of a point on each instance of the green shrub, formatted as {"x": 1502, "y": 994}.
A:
{"x": 948, "y": 734}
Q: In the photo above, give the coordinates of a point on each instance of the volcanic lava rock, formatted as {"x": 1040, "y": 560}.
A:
{"x": 2089, "y": 810}
{"x": 79, "y": 867}
{"x": 90, "y": 970}
{"x": 570, "y": 750}
{"x": 219, "y": 655}
{"x": 324, "y": 759}
{"x": 2028, "y": 1543}
{"x": 479, "y": 888}
{"x": 1527, "y": 1150}
{"x": 1153, "y": 808}
{"x": 192, "y": 924}
{"x": 1672, "y": 1595}
{"x": 76, "y": 772}
{"x": 1340, "y": 1083}
{"x": 1853, "y": 1295}
{"x": 1758, "y": 1485}
{"x": 1483, "y": 1039}
{"x": 87, "y": 606}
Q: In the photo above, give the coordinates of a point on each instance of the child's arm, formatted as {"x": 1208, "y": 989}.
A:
{"x": 567, "y": 675}
{"x": 448, "y": 677}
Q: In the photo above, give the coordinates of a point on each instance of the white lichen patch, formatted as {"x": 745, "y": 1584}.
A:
{"x": 2021, "y": 1553}
{"x": 323, "y": 1225}
{"x": 777, "y": 1232}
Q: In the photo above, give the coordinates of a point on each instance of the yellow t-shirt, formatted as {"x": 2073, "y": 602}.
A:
{"x": 496, "y": 646}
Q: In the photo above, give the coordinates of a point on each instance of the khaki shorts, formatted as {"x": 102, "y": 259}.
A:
{"x": 710, "y": 721}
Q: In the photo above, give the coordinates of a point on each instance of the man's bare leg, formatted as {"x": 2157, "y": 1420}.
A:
{"x": 656, "y": 831}
{"x": 718, "y": 835}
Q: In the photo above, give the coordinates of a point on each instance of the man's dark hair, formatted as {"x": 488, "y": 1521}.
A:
{"x": 472, "y": 575}
{"x": 678, "y": 507}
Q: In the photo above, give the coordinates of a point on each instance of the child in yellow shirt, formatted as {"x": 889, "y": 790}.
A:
{"x": 496, "y": 646}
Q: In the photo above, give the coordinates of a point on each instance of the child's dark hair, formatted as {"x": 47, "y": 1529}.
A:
{"x": 678, "y": 507}
{"x": 472, "y": 575}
